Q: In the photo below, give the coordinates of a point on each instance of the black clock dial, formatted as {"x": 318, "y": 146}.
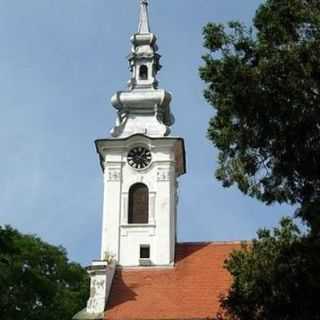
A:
{"x": 139, "y": 157}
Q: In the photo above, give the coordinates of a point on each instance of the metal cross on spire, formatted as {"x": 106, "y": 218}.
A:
{"x": 144, "y": 26}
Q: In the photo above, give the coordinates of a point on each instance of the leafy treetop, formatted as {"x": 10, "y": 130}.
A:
{"x": 277, "y": 276}
{"x": 36, "y": 279}
{"x": 264, "y": 83}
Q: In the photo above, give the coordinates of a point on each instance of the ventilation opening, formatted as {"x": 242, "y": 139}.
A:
{"x": 144, "y": 252}
{"x": 143, "y": 73}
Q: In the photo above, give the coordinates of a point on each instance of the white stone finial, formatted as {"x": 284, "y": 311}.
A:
{"x": 144, "y": 26}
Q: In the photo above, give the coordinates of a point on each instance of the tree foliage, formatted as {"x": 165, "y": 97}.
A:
{"x": 264, "y": 83}
{"x": 277, "y": 276}
{"x": 36, "y": 279}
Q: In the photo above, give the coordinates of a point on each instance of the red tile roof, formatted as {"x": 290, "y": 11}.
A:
{"x": 189, "y": 290}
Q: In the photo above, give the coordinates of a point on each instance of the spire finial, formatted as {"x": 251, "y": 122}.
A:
{"x": 144, "y": 26}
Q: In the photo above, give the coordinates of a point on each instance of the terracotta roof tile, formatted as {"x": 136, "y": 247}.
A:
{"x": 189, "y": 290}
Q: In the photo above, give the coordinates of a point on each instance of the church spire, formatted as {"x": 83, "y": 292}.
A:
{"x": 143, "y": 108}
{"x": 144, "y": 26}
{"x": 144, "y": 61}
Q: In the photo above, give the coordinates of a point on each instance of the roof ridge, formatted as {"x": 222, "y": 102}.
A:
{"x": 195, "y": 243}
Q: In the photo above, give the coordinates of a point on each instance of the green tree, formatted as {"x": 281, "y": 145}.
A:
{"x": 36, "y": 279}
{"x": 264, "y": 83}
{"x": 277, "y": 276}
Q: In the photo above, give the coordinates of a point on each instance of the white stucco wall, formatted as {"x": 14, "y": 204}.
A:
{"x": 122, "y": 240}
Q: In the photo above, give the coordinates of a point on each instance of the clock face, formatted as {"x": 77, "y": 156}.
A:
{"x": 139, "y": 157}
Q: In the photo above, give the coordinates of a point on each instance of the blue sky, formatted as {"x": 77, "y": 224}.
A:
{"x": 60, "y": 63}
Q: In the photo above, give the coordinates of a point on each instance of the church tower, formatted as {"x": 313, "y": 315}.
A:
{"x": 141, "y": 164}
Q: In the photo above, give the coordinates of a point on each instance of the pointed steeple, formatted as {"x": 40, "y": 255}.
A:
{"x": 144, "y": 26}
{"x": 143, "y": 108}
{"x": 144, "y": 61}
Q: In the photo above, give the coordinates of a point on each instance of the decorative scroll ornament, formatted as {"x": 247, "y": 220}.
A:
{"x": 113, "y": 175}
{"x": 163, "y": 174}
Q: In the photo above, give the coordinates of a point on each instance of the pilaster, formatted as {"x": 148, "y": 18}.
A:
{"x": 111, "y": 207}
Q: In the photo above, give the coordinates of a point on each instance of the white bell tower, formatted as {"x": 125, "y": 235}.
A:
{"x": 141, "y": 164}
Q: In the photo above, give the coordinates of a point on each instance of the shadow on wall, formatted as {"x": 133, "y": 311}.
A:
{"x": 121, "y": 293}
{"x": 186, "y": 249}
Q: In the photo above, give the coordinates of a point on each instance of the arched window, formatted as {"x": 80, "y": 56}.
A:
{"x": 138, "y": 204}
{"x": 143, "y": 72}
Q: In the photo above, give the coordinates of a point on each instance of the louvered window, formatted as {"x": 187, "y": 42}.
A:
{"x": 138, "y": 204}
